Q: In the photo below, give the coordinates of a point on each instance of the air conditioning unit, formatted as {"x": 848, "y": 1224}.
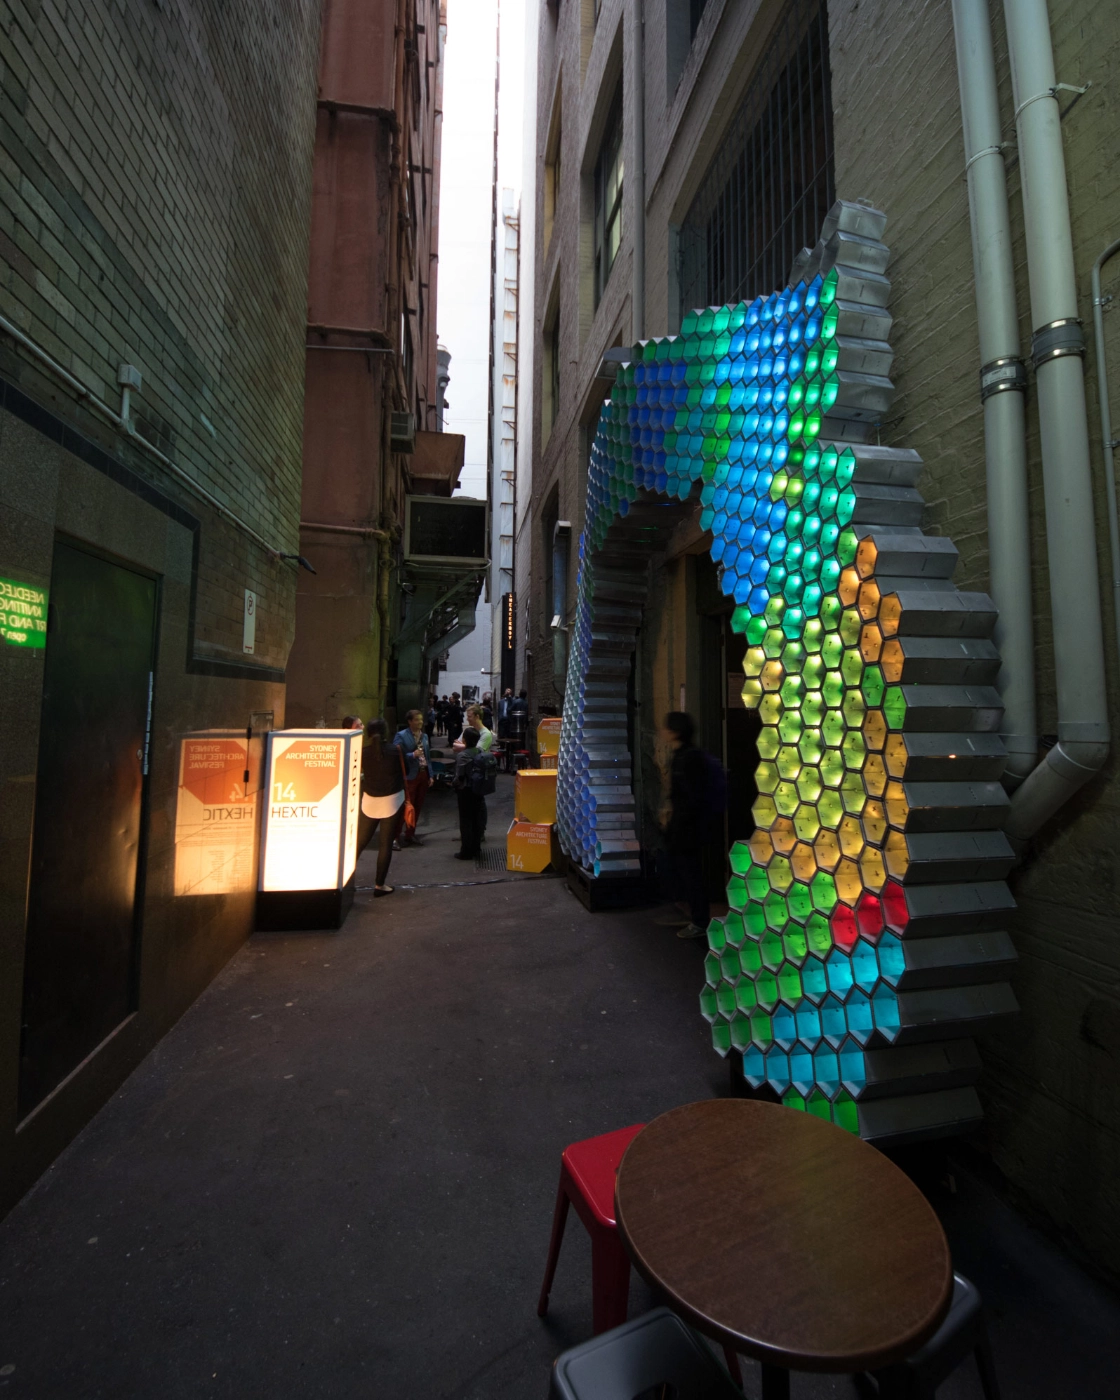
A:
{"x": 402, "y": 432}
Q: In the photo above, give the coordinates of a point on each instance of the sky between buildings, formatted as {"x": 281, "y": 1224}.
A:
{"x": 466, "y": 210}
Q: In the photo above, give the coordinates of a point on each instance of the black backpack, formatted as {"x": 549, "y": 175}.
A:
{"x": 484, "y": 774}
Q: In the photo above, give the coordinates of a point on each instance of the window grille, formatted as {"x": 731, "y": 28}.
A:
{"x": 608, "y": 197}
{"x": 772, "y": 181}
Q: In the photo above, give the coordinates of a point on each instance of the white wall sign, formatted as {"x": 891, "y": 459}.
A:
{"x": 249, "y": 632}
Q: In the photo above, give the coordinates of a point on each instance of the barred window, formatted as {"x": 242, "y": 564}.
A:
{"x": 772, "y": 181}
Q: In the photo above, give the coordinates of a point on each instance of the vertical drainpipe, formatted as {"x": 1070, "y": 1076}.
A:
{"x": 1057, "y": 349}
{"x": 1003, "y": 384}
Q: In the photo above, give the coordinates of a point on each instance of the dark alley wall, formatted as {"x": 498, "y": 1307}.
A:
{"x": 154, "y": 201}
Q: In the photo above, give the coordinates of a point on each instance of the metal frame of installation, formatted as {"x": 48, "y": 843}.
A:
{"x": 864, "y": 942}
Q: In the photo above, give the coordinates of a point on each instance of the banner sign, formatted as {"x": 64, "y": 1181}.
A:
{"x": 216, "y": 813}
{"x": 312, "y": 800}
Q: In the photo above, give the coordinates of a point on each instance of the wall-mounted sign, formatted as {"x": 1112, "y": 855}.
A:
{"x": 249, "y": 629}
{"x": 309, "y": 835}
{"x": 216, "y": 813}
{"x": 23, "y": 614}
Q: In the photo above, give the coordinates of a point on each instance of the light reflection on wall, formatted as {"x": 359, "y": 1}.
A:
{"x": 216, "y": 827}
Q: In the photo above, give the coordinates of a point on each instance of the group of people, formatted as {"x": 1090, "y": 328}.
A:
{"x": 397, "y": 773}
{"x": 396, "y": 776}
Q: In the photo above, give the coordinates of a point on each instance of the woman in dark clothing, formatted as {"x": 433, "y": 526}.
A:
{"x": 454, "y": 718}
{"x": 472, "y": 807}
{"x": 382, "y": 794}
{"x": 688, "y": 821}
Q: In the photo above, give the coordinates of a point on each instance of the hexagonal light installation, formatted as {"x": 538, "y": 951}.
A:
{"x": 816, "y": 530}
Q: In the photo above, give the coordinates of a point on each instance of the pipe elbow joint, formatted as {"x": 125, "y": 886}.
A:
{"x": 1069, "y": 765}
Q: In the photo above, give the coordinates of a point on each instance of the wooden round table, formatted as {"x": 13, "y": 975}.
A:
{"x": 783, "y": 1237}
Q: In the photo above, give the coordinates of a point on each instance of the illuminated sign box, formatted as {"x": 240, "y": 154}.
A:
{"x": 216, "y": 813}
{"x": 23, "y": 614}
{"x": 309, "y": 827}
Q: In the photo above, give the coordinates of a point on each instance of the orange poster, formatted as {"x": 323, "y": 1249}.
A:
{"x": 216, "y": 814}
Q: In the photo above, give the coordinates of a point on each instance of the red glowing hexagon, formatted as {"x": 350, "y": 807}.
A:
{"x": 895, "y": 913}
{"x": 845, "y": 930}
{"x": 869, "y": 916}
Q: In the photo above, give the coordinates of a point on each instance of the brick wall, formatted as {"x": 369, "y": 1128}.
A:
{"x": 1050, "y": 1084}
{"x": 154, "y": 189}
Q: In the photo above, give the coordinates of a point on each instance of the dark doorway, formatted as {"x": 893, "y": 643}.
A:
{"x": 80, "y": 964}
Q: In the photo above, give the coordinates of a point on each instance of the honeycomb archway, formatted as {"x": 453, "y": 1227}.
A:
{"x": 864, "y": 935}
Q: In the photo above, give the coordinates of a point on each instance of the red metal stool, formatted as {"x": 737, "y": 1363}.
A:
{"x": 587, "y": 1172}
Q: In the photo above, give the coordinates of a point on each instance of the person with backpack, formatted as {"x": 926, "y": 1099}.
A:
{"x": 696, "y": 783}
{"x": 473, "y": 779}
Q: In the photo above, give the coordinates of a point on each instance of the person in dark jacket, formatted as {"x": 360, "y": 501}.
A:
{"x": 382, "y": 794}
{"x": 413, "y": 743}
{"x": 454, "y": 718}
{"x": 687, "y": 821}
{"x": 472, "y": 806}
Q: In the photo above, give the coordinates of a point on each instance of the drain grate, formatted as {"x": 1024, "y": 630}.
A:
{"x": 492, "y": 858}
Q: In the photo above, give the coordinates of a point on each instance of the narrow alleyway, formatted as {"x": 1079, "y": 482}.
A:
{"x": 335, "y": 1177}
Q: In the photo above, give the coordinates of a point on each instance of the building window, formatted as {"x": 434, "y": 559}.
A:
{"x": 772, "y": 181}
{"x": 608, "y": 197}
{"x": 550, "y": 409}
{"x": 695, "y": 11}
{"x": 552, "y": 174}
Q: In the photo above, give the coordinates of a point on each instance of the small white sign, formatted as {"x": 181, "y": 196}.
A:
{"x": 249, "y": 634}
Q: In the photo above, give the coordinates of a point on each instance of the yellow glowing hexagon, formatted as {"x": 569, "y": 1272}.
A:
{"x": 898, "y": 809}
{"x": 832, "y": 768}
{"x": 895, "y": 755}
{"x": 855, "y": 707}
{"x": 851, "y": 625}
{"x": 810, "y": 746}
{"x": 764, "y": 811}
{"x": 786, "y": 799}
{"x": 789, "y": 761}
{"x": 852, "y": 667}
{"x": 848, "y": 587}
{"x": 783, "y": 836}
{"x": 892, "y": 659}
{"x": 768, "y": 742}
{"x": 809, "y": 784}
{"x": 869, "y": 599}
{"x": 813, "y": 671}
{"x": 830, "y": 809}
{"x": 762, "y": 847}
{"x": 806, "y": 822}
{"x": 780, "y": 873}
{"x": 897, "y": 855}
{"x": 754, "y": 661}
{"x": 804, "y": 862}
{"x": 872, "y": 870}
{"x": 852, "y": 792}
{"x": 750, "y": 694}
{"x": 854, "y": 749}
{"x": 849, "y": 886}
{"x": 766, "y": 777}
{"x": 870, "y": 643}
{"x": 770, "y": 709}
{"x": 874, "y": 822}
{"x": 866, "y": 555}
{"x": 874, "y": 730}
{"x": 890, "y": 614}
{"x": 826, "y": 848}
{"x": 850, "y": 834}
{"x": 773, "y": 644}
{"x": 875, "y": 775}
{"x": 772, "y": 675}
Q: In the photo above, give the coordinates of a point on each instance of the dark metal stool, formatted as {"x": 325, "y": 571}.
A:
{"x": 963, "y": 1331}
{"x": 653, "y": 1355}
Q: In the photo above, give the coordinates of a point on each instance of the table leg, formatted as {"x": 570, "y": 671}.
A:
{"x": 775, "y": 1382}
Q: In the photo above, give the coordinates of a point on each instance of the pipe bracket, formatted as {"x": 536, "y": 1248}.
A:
{"x": 1059, "y": 338}
{"x": 998, "y": 375}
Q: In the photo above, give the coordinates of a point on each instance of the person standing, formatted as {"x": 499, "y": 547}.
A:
{"x": 413, "y": 743}
{"x": 476, "y": 720}
{"x": 503, "y": 713}
{"x": 382, "y": 794}
{"x": 488, "y": 710}
{"x": 472, "y": 805}
{"x": 687, "y": 819}
{"x": 454, "y": 718}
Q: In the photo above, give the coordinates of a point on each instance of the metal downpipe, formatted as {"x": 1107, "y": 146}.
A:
{"x": 1003, "y": 384}
{"x": 1057, "y": 348}
{"x": 1107, "y": 440}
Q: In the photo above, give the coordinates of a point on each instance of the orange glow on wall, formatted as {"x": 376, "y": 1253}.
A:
{"x": 216, "y": 813}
